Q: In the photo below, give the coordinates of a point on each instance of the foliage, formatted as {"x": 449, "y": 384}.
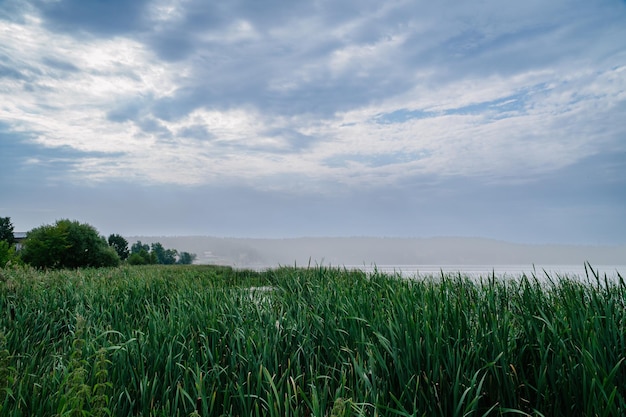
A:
{"x": 140, "y": 254}
{"x": 7, "y": 253}
{"x": 186, "y": 258}
{"x": 138, "y": 247}
{"x": 120, "y": 245}
{"x": 310, "y": 342}
{"x": 67, "y": 244}
{"x": 164, "y": 256}
{"x": 6, "y": 230}
{"x": 142, "y": 258}
{"x": 136, "y": 259}
{"x": 144, "y": 254}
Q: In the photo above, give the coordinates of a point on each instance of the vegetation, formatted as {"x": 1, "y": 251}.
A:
{"x": 7, "y": 254}
{"x": 120, "y": 245}
{"x": 6, "y": 230}
{"x": 67, "y": 244}
{"x": 211, "y": 341}
{"x": 70, "y": 244}
{"x": 7, "y": 241}
{"x": 144, "y": 254}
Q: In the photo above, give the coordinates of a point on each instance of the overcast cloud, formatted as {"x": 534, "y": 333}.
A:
{"x": 320, "y": 118}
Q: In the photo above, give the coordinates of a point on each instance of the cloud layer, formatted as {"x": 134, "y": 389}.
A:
{"x": 312, "y": 97}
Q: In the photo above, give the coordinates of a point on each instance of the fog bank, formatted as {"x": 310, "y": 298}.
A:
{"x": 256, "y": 253}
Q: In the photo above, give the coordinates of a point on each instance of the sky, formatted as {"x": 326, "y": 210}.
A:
{"x": 247, "y": 118}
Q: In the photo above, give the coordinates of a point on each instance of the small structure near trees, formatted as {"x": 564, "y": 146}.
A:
{"x": 19, "y": 238}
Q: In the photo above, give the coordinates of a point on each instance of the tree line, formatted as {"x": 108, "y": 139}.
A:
{"x": 71, "y": 244}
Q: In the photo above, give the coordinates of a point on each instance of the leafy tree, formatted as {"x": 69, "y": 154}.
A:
{"x": 159, "y": 251}
{"x": 136, "y": 259}
{"x": 4, "y": 253}
{"x": 6, "y": 230}
{"x": 170, "y": 256}
{"x": 143, "y": 257}
{"x": 143, "y": 254}
{"x": 67, "y": 244}
{"x": 138, "y": 246}
{"x": 186, "y": 258}
{"x": 149, "y": 257}
{"x": 7, "y": 253}
{"x": 120, "y": 245}
{"x": 44, "y": 246}
{"x": 164, "y": 256}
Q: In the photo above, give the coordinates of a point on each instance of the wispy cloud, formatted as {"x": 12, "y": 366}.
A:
{"x": 220, "y": 92}
{"x": 308, "y": 97}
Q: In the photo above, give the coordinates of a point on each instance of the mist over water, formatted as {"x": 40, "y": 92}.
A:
{"x": 541, "y": 272}
{"x": 410, "y": 257}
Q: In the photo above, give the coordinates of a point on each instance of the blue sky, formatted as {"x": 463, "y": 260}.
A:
{"x": 323, "y": 118}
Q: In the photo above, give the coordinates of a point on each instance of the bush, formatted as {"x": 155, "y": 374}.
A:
{"x": 144, "y": 254}
{"x": 136, "y": 259}
{"x": 120, "y": 245}
{"x": 107, "y": 257}
{"x": 186, "y": 258}
{"x": 67, "y": 244}
{"x": 7, "y": 253}
{"x": 6, "y": 230}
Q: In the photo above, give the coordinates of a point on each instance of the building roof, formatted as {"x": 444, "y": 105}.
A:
{"x": 19, "y": 235}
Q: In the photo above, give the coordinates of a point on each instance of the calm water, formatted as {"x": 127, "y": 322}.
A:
{"x": 512, "y": 271}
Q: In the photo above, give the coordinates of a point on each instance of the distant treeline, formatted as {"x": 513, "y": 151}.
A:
{"x": 71, "y": 244}
{"x": 267, "y": 252}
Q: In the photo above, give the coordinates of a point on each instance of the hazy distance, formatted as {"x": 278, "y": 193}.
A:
{"x": 243, "y": 252}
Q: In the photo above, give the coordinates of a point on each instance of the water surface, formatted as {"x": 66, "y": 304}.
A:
{"x": 510, "y": 271}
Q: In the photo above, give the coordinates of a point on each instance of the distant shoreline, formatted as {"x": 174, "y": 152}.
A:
{"x": 511, "y": 271}
{"x": 357, "y": 251}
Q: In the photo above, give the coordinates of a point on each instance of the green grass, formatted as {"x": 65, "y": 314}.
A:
{"x": 212, "y": 341}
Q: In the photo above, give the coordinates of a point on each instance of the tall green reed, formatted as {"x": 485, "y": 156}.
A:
{"x": 308, "y": 341}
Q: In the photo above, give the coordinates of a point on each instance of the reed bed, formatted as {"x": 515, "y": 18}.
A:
{"x": 205, "y": 341}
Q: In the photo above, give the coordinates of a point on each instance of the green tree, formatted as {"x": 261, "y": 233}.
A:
{"x": 7, "y": 253}
{"x": 6, "y": 230}
{"x": 186, "y": 258}
{"x": 144, "y": 254}
{"x": 67, "y": 244}
{"x": 136, "y": 259}
{"x": 159, "y": 251}
{"x": 138, "y": 246}
{"x": 170, "y": 256}
{"x": 149, "y": 257}
{"x": 44, "y": 246}
{"x": 143, "y": 257}
{"x": 120, "y": 245}
{"x": 164, "y": 256}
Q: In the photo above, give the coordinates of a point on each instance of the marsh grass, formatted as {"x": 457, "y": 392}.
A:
{"x": 189, "y": 340}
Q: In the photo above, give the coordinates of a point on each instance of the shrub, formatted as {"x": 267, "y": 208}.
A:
{"x": 120, "y": 245}
{"x": 6, "y": 230}
{"x": 7, "y": 253}
{"x": 136, "y": 259}
{"x": 186, "y": 258}
{"x": 67, "y": 244}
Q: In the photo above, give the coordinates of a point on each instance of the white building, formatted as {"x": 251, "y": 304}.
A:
{"x": 19, "y": 239}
